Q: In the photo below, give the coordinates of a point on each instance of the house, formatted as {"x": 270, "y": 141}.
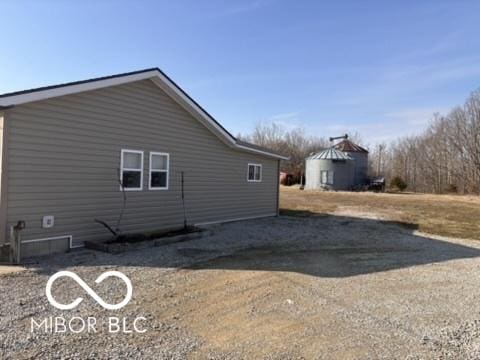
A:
{"x": 73, "y": 153}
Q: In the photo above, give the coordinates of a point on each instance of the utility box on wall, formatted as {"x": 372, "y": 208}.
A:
{"x": 48, "y": 221}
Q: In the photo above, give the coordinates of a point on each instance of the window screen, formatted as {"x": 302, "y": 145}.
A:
{"x": 131, "y": 169}
{"x": 159, "y": 168}
{"x": 254, "y": 172}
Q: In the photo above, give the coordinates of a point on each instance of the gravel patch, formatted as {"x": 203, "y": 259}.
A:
{"x": 287, "y": 287}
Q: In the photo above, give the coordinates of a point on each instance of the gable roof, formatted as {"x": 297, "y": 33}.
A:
{"x": 158, "y": 77}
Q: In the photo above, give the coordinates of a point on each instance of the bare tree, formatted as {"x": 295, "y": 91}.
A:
{"x": 377, "y": 159}
{"x": 294, "y": 143}
{"x": 443, "y": 158}
{"x": 446, "y": 156}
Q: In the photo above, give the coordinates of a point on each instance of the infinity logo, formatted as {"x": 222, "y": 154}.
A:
{"x": 88, "y": 289}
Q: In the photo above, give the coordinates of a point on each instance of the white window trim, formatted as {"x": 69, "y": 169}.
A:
{"x": 150, "y": 170}
{"x": 248, "y": 172}
{"x": 122, "y": 169}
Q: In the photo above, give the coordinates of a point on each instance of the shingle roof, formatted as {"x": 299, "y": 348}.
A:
{"x": 10, "y": 99}
{"x": 50, "y": 87}
{"x": 27, "y": 91}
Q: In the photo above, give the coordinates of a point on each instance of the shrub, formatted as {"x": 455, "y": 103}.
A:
{"x": 452, "y": 188}
{"x": 398, "y": 183}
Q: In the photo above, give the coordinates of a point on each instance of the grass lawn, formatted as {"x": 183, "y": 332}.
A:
{"x": 446, "y": 215}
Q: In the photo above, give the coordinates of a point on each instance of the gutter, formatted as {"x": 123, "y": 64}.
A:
{"x": 243, "y": 147}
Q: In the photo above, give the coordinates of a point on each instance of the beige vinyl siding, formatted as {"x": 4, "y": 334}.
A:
{"x": 64, "y": 160}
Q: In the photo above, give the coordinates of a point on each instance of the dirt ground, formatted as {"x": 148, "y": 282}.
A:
{"x": 448, "y": 215}
{"x": 345, "y": 285}
{"x": 8, "y": 269}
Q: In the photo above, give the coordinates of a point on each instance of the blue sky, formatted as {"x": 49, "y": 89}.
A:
{"x": 379, "y": 68}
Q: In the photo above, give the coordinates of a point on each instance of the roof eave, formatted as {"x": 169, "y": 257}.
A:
{"x": 43, "y": 93}
{"x": 265, "y": 153}
{"x": 158, "y": 77}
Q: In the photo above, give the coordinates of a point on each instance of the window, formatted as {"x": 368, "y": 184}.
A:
{"x": 323, "y": 176}
{"x": 326, "y": 177}
{"x": 159, "y": 165}
{"x": 254, "y": 172}
{"x": 131, "y": 167}
{"x": 330, "y": 177}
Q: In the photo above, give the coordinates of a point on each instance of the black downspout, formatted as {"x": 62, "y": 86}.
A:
{"x": 185, "y": 225}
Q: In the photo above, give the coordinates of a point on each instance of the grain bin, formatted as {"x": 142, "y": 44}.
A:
{"x": 360, "y": 155}
{"x": 330, "y": 169}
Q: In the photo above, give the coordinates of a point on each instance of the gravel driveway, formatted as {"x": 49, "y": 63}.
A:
{"x": 289, "y": 287}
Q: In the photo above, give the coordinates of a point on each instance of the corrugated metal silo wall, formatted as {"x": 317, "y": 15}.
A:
{"x": 312, "y": 174}
{"x": 361, "y": 167}
{"x": 344, "y": 172}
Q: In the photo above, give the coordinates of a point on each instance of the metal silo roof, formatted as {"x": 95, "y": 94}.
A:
{"x": 348, "y": 146}
{"x": 330, "y": 154}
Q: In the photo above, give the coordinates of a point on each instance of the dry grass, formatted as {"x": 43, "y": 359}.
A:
{"x": 446, "y": 215}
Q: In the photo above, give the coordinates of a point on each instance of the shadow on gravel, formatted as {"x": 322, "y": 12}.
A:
{"x": 309, "y": 243}
{"x": 342, "y": 247}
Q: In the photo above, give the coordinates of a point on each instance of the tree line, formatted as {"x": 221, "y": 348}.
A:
{"x": 443, "y": 158}
{"x": 292, "y": 142}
